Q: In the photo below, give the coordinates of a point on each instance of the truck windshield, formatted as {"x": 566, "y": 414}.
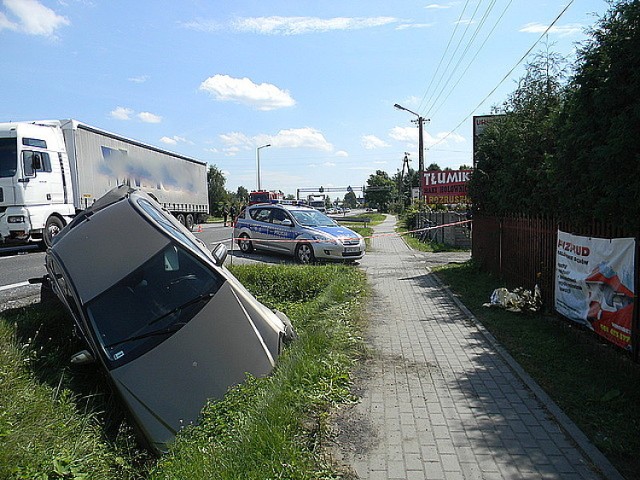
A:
{"x": 8, "y": 157}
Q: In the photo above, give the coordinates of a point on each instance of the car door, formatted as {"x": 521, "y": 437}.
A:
{"x": 260, "y": 227}
{"x": 281, "y": 231}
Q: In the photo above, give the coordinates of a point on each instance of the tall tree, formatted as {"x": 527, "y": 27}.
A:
{"x": 599, "y": 146}
{"x": 381, "y": 190}
{"x": 218, "y": 196}
{"x": 515, "y": 153}
{"x": 242, "y": 194}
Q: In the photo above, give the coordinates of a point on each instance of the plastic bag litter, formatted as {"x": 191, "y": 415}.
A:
{"x": 517, "y": 301}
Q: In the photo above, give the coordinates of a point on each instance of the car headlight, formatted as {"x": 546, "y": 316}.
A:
{"x": 15, "y": 219}
{"x": 324, "y": 238}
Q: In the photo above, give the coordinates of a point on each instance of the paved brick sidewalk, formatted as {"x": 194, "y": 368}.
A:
{"x": 438, "y": 399}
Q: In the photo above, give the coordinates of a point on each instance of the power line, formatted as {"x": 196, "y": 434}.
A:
{"x": 464, "y": 34}
{"x": 508, "y": 73}
{"x": 443, "y": 55}
{"x": 474, "y": 57}
{"x": 464, "y": 54}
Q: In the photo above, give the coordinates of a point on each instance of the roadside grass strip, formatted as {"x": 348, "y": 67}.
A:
{"x": 274, "y": 427}
{"x": 59, "y": 422}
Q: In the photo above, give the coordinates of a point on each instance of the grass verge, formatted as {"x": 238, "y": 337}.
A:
{"x": 273, "y": 427}
{"x": 594, "y": 383}
{"x": 57, "y": 422}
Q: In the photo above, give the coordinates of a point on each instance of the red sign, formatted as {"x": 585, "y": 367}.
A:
{"x": 445, "y": 187}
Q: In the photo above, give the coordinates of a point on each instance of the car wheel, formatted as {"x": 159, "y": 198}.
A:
{"x": 51, "y": 229}
{"x": 245, "y": 243}
{"x": 180, "y": 218}
{"x": 304, "y": 253}
{"x": 189, "y": 222}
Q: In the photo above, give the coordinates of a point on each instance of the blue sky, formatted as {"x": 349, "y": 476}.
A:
{"x": 317, "y": 80}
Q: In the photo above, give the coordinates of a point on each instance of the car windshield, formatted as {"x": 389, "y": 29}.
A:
{"x": 151, "y": 303}
{"x": 312, "y": 218}
{"x": 8, "y": 157}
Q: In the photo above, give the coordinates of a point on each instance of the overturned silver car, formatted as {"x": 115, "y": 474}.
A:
{"x": 169, "y": 323}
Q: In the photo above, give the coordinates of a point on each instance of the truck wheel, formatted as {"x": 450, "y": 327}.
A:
{"x": 304, "y": 253}
{"x": 180, "y": 218}
{"x": 245, "y": 243}
{"x": 189, "y": 222}
{"x": 51, "y": 229}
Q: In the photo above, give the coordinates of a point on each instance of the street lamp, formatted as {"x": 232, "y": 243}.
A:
{"x": 258, "y": 162}
{"x": 420, "y": 121}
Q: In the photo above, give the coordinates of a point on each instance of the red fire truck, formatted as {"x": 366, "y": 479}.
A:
{"x": 264, "y": 196}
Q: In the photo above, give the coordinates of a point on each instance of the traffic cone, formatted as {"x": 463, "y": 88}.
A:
{"x": 199, "y": 228}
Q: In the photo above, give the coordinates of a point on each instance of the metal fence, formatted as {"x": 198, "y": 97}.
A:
{"x": 522, "y": 251}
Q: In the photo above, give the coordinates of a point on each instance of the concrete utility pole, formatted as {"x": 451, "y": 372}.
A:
{"x": 420, "y": 121}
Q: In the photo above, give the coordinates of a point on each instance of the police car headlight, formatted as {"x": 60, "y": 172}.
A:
{"x": 15, "y": 219}
{"x": 325, "y": 239}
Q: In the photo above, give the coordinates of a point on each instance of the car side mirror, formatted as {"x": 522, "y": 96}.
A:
{"x": 219, "y": 254}
{"x": 83, "y": 357}
{"x": 286, "y": 223}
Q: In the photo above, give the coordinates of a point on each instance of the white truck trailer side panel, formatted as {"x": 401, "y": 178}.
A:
{"x": 101, "y": 160}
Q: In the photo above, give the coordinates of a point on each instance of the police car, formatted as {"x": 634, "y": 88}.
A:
{"x": 297, "y": 230}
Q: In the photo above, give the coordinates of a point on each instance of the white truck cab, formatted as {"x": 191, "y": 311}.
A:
{"x": 52, "y": 169}
{"x": 35, "y": 181}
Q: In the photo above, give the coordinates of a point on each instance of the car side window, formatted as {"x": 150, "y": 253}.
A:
{"x": 260, "y": 214}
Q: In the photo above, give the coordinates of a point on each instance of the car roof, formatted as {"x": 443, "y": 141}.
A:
{"x": 282, "y": 205}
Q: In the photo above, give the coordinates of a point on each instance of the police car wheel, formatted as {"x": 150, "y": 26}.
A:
{"x": 304, "y": 253}
{"x": 245, "y": 244}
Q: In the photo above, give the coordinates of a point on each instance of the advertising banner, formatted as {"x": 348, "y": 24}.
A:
{"x": 595, "y": 284}
{"x": 445, "y": 187}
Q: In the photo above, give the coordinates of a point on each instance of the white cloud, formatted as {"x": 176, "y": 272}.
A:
{"x": 148, "y": 117}
{"x": 406, "y": 26}
{"x": 404, "y": 134}
{"x": 300, "y": 25}
{"x": 341, "y": 153}
{"x": 328, "y": 164}
{"x": 299, "y": 138}
{"x": 33, "y": 18}
{"x": 236, "y": 138}
{"x": 292, "y": 138}
{"x": 122, "y": 113}
{"x": 561, "y": 30}
{"x": 371, "y": 142}
{"x": 410, "y": 136}
{"x": 264, "y": 96}
{"x": 437, "y": 6}
{"x": 173, "y": 140}
{"x": 139, "y": 79}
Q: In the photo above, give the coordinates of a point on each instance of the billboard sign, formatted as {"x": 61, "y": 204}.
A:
{"x": 445, "y": 187}
{"x": 594, "y": 284}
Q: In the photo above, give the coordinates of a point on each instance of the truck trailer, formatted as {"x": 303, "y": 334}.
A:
{"x": 51, "y": 170}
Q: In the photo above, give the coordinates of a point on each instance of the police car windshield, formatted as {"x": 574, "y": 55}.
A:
{"x": 312, "y": 218}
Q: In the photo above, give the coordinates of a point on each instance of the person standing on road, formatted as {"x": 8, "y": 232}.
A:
{"x": 225, "y": 214}
{"x": 232, "y": 211}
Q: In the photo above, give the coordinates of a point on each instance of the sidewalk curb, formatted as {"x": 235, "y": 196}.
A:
{"x": 582, "y": 442}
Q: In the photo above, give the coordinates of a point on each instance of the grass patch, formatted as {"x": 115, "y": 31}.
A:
{"x": 595, "y": 384}
{"x": 273, "y": 427}
{"x": 52, "y": 420}
{"x": 57, "y": 422}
